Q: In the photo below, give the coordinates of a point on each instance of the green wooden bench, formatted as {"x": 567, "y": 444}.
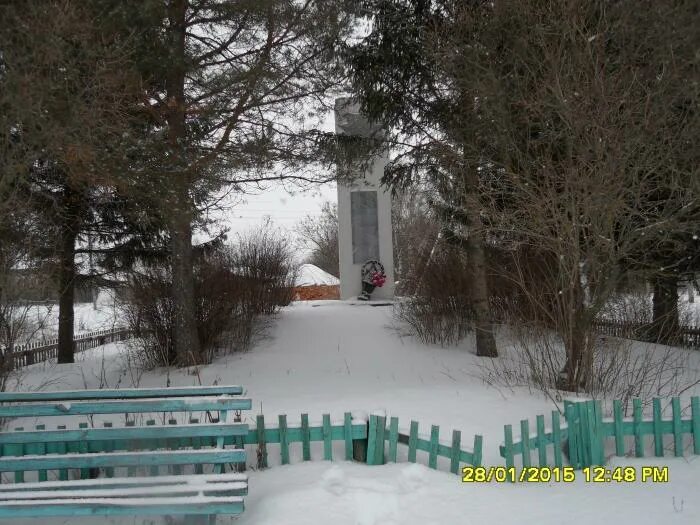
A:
{"x": 131, "y": 401}
{"x": 171, "y": 495}
{"x": 195, "y": 494}
{"x": 131, "y": 458}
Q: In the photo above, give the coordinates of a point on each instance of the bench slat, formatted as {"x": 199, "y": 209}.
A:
{"x": 145, "y": 482}
{"x": 200, "y": 505}
{"x": 211, "y": 489}
{"x": 129, "y": 406}
{"x": 126, "y": 393}
{"x": 121, "y": 459}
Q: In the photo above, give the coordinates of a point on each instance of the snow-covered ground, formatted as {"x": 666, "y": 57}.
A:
{"x": 636, "y": 307}
{"x": 333, "y": 357}
{"x": 690, "y": 312}
{"x": 41, "y": 321}
{"x": 319, "y": 493}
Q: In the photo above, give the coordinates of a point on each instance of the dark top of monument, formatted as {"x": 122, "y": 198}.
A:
{"x": 349, "y": 120}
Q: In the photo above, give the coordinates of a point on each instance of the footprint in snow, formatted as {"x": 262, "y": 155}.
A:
{"x": 376, "y": 509}
{"x": 411, "y": 479}
{"x": 334, "y": 481}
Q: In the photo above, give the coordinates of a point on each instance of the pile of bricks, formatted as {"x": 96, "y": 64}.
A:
{"x": 316, "y": 292}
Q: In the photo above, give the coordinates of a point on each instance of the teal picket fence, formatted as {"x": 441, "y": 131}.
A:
{"x": 383, "y": 442}
{"x": 349, "y": 432}
{"x": 586, "y": 434}
{"x": 179, "y": 436}
{"x": 543, "y": 441}
{"x": 372, "y": 442}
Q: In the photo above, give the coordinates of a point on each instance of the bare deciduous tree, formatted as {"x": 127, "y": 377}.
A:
{"x": 318, "y": 235}
{"x": 577, "y": 120}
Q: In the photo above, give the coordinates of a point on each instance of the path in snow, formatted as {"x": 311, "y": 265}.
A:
{"x": 332, "y": 357}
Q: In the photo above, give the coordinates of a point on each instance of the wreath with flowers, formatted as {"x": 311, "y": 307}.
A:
{"x": 373, "y": 276}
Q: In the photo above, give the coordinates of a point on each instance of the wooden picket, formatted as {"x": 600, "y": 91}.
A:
{"x": 327, "y": 440}
{"x": 347, "y": 434}
{"x": 393, "y": 438}
{"x": 283, "y": 440}
{"x": 586, "y": 433}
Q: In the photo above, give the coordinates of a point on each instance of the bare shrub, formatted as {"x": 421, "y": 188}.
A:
{"x": 440, "y": 309}
{"x": 621, "y": 369}
{"x": 443, "y": 321}
{"x": 440, "y": 312}
{"x": 148, "y": 311}
{"x": 225, "y": 316}
{"x": 625, "y": 370}
{"x": 264, "y": 260}
{"x": 533, "y": 360}
{"x": 234, "y": 287}
{"x": 20, "y": 319}
{"x": 632, "y": 307}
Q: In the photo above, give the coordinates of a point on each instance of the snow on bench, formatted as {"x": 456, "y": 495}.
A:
{"x": 120, "y": 459}
{"x": 237, "y": 488}
{"x": 121, "y": 393}
{"x": 128, "y": 448}
{"x": 123, "y": 506}
{"x": 167, "y": 495}
{"x": 210, "y": 480}
{"x": 152, "y": 432}
{"x": 175, "y": 404}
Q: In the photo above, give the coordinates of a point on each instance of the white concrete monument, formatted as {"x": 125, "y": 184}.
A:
{"x": 364, "y": 214}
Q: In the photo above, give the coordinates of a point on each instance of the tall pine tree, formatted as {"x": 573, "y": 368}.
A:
{"x": 229, "y": 83}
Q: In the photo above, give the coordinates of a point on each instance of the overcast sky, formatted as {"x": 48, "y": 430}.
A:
{"x": 284, "y": 204}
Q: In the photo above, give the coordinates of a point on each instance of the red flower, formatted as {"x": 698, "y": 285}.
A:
{"x": 378, "y": 279}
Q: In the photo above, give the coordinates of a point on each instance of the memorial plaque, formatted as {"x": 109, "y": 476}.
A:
{"x": 365, "y": 226}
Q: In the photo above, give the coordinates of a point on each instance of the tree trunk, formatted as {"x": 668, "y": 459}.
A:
{"x": 579, "y": 361}
{"x": 476, "y": 261}
{"x": 665, "y": 323}
{"x": 69, "y": 232}
{"x": 568, "y": 381}
{"x": 575, "y": 330}
{"x": 185, "y": 338}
